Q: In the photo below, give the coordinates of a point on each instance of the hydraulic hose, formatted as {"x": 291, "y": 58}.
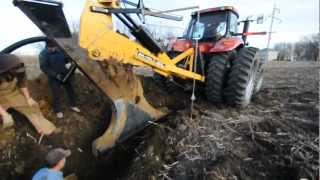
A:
{"x": 23, "y": 42}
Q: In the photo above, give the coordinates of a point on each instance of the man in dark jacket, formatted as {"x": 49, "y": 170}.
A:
{"x": 53, "y": 63}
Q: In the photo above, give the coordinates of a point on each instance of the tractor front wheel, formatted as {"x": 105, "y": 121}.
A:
{"x": 216, "y": 75}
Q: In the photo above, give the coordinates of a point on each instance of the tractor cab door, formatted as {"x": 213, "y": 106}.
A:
{"x": 233, "y": 24}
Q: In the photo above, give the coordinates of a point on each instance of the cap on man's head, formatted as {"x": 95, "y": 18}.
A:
{"x": 56, "y": 155}
{"x": 9, "y": 61}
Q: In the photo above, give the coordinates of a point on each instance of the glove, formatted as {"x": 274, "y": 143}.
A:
{"x": 59, "y": 77}
{"x": 31, "y": 102}
{"x": 68, "y": 65}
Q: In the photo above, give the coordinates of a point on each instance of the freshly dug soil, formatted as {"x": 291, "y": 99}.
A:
{"x": 276, "y": 137}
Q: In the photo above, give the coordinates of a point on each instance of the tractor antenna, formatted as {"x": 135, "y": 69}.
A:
{"x": 193, "y": 96}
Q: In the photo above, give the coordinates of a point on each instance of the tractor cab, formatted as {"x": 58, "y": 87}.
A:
{"x": 216, "y": 31}
{"x": 217, "y": 23}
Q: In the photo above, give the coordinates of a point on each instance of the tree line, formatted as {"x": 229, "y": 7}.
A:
{"x": 307, "y": 49}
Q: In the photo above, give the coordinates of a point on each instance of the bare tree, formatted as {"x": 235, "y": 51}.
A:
{"x": 307, "y": 49}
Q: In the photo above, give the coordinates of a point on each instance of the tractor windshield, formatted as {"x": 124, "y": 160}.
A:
{"x": 215, "y": 26}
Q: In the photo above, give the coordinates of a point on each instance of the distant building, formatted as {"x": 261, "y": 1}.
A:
{"x": 270, "y": 55}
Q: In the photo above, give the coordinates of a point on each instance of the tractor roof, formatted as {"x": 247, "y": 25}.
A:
{"x": 217, "y": 9}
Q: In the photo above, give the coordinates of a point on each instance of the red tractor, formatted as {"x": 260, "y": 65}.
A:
{"x": 232, "y": 72}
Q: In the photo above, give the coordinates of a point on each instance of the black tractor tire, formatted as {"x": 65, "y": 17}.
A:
{"x": 216, "y": 76}
{"x": 241, "y": 79}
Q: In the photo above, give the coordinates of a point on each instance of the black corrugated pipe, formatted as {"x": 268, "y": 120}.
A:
{"x": 23, "y": 42}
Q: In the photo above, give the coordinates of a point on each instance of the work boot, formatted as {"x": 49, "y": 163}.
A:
{"x": 7, "y": 121}
{"x": 59, "y": 115}
{"x": 75, "y": 109}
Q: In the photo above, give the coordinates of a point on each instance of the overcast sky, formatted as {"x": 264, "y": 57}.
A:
{"x": 299, "y": 17}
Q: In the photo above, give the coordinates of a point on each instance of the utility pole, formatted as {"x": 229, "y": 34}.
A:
{"x": 292, "y": 52}
{"x": 273, "y": 17}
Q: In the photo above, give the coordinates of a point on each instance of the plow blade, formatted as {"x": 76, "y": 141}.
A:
{"x": 131, "y": 112}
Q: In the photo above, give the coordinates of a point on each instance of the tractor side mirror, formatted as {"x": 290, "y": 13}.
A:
{"x": 198, "y": 31}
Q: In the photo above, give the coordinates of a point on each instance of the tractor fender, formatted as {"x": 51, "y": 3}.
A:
{"x": 181, "y": 45}
{"x": 226, "y": 45}
{"x": 205, "y": 47}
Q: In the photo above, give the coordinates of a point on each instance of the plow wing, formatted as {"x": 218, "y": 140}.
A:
{"x": 131, "y": 111}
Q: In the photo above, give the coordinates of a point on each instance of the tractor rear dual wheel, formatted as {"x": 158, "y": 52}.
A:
{"x": 242, "y": 77}
{"x": 259, "y": 82}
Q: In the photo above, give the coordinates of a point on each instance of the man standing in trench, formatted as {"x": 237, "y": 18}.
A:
{"x": 14, "y": 94}
{"x": 56, "y": 161}
{"x": 54, "y": 64}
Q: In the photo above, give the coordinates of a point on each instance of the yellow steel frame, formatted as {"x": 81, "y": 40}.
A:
{"x": 104, "y": 44}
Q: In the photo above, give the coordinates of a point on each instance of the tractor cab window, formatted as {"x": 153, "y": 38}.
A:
{"x": 233, "y": 23}
{"x": 215, "y": 25}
